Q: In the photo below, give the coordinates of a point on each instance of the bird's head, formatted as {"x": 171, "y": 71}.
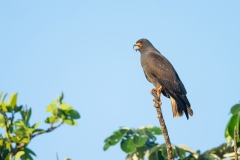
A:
{"x": 142, "y": 44}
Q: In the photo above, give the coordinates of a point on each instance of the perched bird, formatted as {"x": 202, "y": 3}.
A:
{"x": 160, "y": 72}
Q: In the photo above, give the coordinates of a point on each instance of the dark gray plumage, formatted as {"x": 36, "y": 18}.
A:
{"x": 159, "y": 71}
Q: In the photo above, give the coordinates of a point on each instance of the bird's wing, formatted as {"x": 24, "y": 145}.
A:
{"x": 163, "y": 70}
{"x": 146, "y": 76}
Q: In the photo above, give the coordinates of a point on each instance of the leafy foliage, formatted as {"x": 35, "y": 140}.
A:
{"x": 133, "y": 141}
{"x": 19, "y": 133}
{"x": 141, "y": 143}
{"x": 234, "y": 121}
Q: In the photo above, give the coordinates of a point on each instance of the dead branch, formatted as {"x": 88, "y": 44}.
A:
{"x": 157, "y": 105}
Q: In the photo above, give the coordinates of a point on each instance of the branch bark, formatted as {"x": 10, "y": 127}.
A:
{"x": 7, "y": 129}
{"x": 157, "y": 105}
{"x": 48, "y": 130}
{"x": 235, "y": 142}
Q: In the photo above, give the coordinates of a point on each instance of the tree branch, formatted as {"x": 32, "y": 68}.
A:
{"x": 235, "y": 142}
{"x": 57, "y": 156}
{"x": 16, "y": 149}
{"x": 7, "y": 129}
{"x": 56, "y": 115}
{"x": 157, "y": 105}
{"x": 46, "y": 131}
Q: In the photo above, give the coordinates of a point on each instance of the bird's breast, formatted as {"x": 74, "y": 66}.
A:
{"x": 144, "y": 59}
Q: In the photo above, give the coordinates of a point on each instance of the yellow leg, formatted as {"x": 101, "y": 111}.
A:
{"x": 158, "y": 90}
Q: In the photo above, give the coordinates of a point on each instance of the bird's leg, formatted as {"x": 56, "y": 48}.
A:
{"x": 158, "y": 90}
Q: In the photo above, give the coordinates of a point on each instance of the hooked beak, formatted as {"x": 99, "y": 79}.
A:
{"x": 139, "y": 45}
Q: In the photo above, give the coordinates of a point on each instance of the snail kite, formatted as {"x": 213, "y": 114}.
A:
{"x": 160, "y": 72}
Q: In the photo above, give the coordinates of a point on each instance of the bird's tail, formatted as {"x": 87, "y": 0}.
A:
{"x": 175, "y": 111}
{"x": 180, "y": 103}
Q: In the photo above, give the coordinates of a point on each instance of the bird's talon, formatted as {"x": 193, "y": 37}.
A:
{"x": 151, "y": 91}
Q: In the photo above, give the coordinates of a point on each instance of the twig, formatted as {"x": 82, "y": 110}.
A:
{"x": 54, "y": 118}
{"x": 57, "y": 156}
{"x": 7, "y": 129}
{"x": 16, "y": 149}
{"x": 11, "y": 122}
{"x": 235, "y": 142}
{"x": 157, "y": 105}
{"x": 46, "y": 131}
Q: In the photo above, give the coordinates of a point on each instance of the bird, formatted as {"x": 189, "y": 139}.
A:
{"x": 161, "y": 73}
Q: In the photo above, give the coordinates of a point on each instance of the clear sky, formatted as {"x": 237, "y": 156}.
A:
{"x": 84, "y": 48}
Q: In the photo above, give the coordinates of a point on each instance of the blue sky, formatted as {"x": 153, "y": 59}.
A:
{"x": 84, "y": 48}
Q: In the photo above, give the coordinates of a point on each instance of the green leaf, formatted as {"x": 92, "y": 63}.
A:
{"x": 156, "y": 156}
{"x": 4, "y": 106}
{"x": 27, "y": 150}
{"x": 25, "y": 140}
{"x": 150, "y": 135}
{"x": 1, "y": 142}
{"x": 164, "y": 151}
{"x": 70, "y": 122}
{"x": 9, "y": 109}
{"x": 36, "y": 125}
{"x": 52, "y": 119}
{"x": 18, "y": 155}
{"x": 6, "y": 154}
{"x": 62, "y": 114}
{"x": 30, "y": 130}
{"x": 127, "y": 145}
{"x": 74, "y": 114}
{"x": 232, "y": 123}
{"x": 28, "y": 115}
{"x": 140, "y": 152}
{"x": 1, "y": 121}
{"x": 61, "y": 98}
{"x": 186, "y": 148}
{"x": 116, "y": 137}
{"x": 26, "y": 156}
{"x": 206, "y": 156}
{"x": 17, "y": 109}
{"x": 140, "y": 138}
{"x": 154, "y": 153}
{"x": 22, "y": 114}
{"x": 65, "y": 106}
{"x": 19, "y": 124}
{"x": 20, "y": 132}
{"x": 235, "y": 109}
{"x": 39, "y": 130}
{"x": 154, "y": 149}
{"x": 55, "y": 111}
{"x": 7, "y": 145}
{"x": 154, "y": 129}
{"x": 15, "y": 139}
{"x": 227, "y": 135}
{"x": 1, "y": 95}
{"x": 11, "y": 128}
{"x": 106, "y": 146}
{"x": 13, "y": 100}
{"x": 174, "y": 152}
{"x": 51, "y": 106}
{"x": 4, "y": 97}
{"x": 181, "y": 153}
